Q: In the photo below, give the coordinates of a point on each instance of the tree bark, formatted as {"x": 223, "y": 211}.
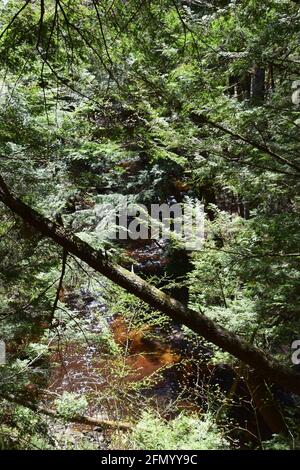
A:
{"x": 263, "y": 363}
{"x": 83, "y": 419}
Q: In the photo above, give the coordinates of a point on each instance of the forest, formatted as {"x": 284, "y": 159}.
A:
{"x": 149, "y": 225}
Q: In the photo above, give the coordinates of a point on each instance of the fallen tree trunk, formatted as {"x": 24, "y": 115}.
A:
{"x": 264, "y": 364}
{"x": 83, "y": 419}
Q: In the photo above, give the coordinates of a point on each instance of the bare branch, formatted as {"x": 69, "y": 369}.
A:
{"x": 84, "y": 419}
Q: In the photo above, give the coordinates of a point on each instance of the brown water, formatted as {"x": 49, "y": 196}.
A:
{"x": 81, "y": 368}
{"x": 148, "y": 369}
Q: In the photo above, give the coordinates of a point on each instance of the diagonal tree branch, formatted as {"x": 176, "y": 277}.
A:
{"x": 83, "y": 419}
{"x": 201, "y": 119}
{"x": 14, "y": 19}
{"x": 263, "y": 363}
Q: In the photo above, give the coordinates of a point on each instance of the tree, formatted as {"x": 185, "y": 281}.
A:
{"x": 252, "y": 356}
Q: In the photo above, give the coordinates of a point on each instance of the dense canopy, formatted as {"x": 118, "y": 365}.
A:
{"x": 141, "y": 343}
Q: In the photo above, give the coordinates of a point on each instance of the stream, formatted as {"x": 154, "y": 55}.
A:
{"x": 154, "y": 367}
{"x": 158, "y": 367}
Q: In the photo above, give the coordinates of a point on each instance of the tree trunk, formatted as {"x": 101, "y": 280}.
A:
{"x": 264, "y": 364}
{"x": 258, "y": 85}
{"x": 266, "y": 405}
{"x": 82, "y": 419}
